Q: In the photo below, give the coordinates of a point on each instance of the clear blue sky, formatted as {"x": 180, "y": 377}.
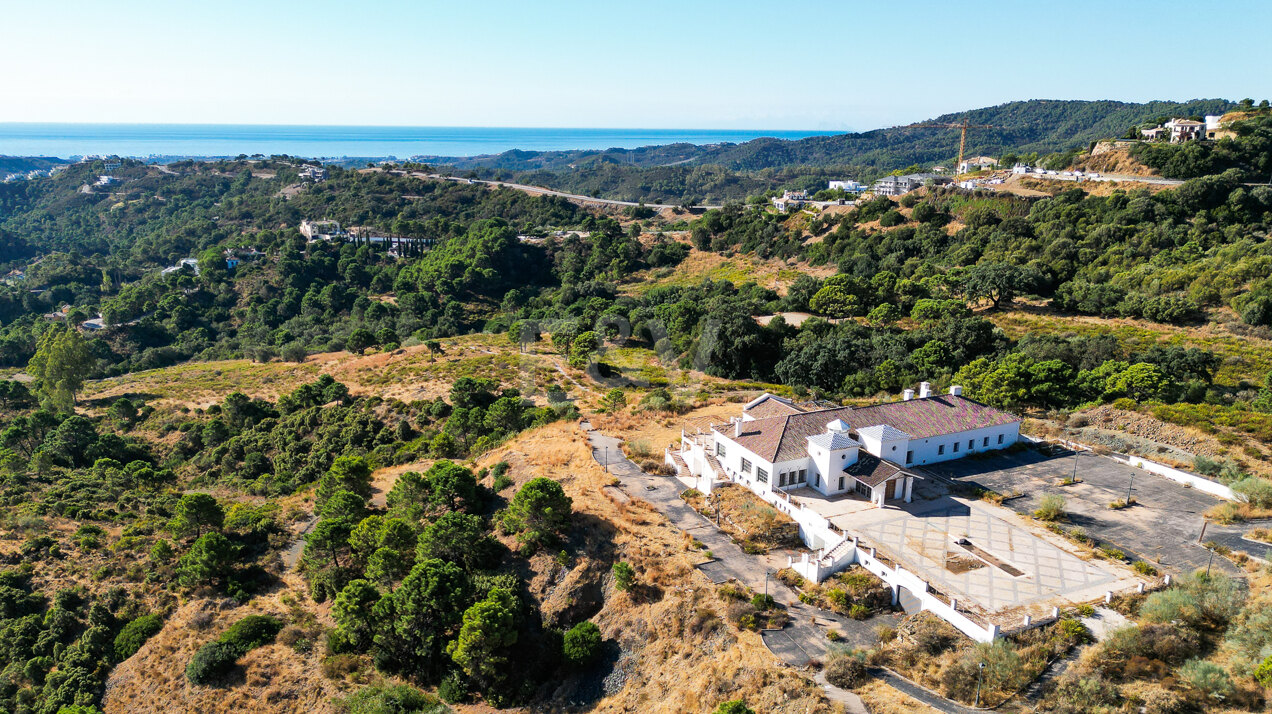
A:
{"x": 608, "y": 63}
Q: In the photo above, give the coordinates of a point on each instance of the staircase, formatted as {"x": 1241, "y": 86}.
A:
{"x": 839, "y": 555}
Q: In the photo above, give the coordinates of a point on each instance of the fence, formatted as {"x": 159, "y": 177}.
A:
{"x": 1201, "y": 483}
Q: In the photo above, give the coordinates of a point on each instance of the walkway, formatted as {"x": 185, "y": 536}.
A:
{"x": 803, "y": 639}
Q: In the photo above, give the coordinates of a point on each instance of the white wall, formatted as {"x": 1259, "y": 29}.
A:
{"x": 926, "y": 451}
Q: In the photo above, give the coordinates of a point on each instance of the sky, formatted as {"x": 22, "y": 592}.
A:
{"x": 613, "y": 63}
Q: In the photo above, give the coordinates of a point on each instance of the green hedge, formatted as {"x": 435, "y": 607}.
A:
{"x": 134, "y": 635}
{"x": 215, "y": 659}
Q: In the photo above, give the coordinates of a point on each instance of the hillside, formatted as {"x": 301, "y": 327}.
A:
{"x": 1034, "y": 126}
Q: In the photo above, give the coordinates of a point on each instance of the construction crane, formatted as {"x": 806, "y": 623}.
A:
{"x": 962, "y": 139}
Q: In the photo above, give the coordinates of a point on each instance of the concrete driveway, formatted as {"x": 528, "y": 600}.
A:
{"x": 1162, "y": 526}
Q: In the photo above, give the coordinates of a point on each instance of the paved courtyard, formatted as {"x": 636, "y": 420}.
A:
{"x": 968, "y": 552}
{"x": 1163, "y": 526}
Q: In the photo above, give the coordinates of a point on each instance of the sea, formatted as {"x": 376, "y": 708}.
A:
{"x": 217, "y": 140}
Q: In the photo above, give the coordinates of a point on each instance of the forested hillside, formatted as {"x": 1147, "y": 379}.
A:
{"x": 194, "y": 517}
{"x": 1035, "y": 126}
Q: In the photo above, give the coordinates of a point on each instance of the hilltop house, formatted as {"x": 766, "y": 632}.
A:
{"x": 789, "y": 200}
{"x": 900, "y": 185}
{"x": 1182, "y": 130}
{"x": 846, "y": 186}
{"x": 776, "y": 445}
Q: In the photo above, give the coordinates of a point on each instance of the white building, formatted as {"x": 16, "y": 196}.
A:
{"x": 1182, "y": 130}
{"x": 776, "y": 445}
{"x": 789, "y": 200}
{"x": 977, "y": 163}
{"x": 847, "y": 186}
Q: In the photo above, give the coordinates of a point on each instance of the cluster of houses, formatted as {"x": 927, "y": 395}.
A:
{"x": 330, "y": 231}
{"x": 32, "y": 174}
{"x": 901, "y": 185}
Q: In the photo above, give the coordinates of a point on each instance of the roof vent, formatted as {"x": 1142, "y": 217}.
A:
{"x": 838, "y": 426}
{"x": 956, "y": 391}
{"x": 907, "y": 395}
{"x": 925, "y": 390}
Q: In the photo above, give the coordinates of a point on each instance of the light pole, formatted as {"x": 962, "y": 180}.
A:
{"x": 980, "y": 674}
{"x": 1208, "y": 562}
{"x": 766, "y": 576}
{"x": 1128, "y": 489}
{"x": 1076, "y": 454}
{"x": 606, "y": 459}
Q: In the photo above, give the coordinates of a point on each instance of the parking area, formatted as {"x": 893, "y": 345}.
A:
{"x": 1162, "y": 526}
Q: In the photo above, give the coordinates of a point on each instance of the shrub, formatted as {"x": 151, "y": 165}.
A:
{"x": 582, "y": 643}
{"x": 1208, "y": 678}
{"x": 1050, "y": 507}
{"x": 845, "y": 670}
{"x": 624, "y": 574}
{"x": 1198, "y": 600}
{"x": 453, "y": 689}
{"x": 1255, "y": 491}
{"x": 251, "y": 632}
{"x": 762, "y": 601}
{"x": 210, "y": 663}
{"x": 733, "y": 706}
{"x": 858, "y": 611}
{"x": 134, "y": 635}
{"x": 1159, "y": 700}
{"x": 1143, "y": 567}
{"x": 389, "y": 699}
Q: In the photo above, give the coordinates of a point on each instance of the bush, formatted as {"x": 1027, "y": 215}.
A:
{"x": 134, "y": 635}
{"x": 1207, "y": 678}
{"x": 1050, "y": 507}
{"x": 389, "y": 699}
{"x": 251, "y": 632}
{"x": 858, "y": 611}
{"x": 210, "y": 663}
{"x": 733, "y": 706}
{"x": 1143, "y": 567}
{"x": 453, "y": 689}
{"x": 624, "y": 574}
{"x": 582, "y": 643}
{"x": 845, "y": 670}
{"x": 1255, "y": 491}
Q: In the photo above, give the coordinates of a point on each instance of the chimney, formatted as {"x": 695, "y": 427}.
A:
{"x": 737, "y": 428}
{"x": 925, "y": 390}
{"x": 907, "y": 395}
{"x": 956, "y": 391}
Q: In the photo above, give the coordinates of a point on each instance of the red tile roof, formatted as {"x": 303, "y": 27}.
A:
{"x": 784, "y": 438}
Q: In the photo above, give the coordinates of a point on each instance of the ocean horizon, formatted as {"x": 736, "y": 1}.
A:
{"x": 66, "y": 140}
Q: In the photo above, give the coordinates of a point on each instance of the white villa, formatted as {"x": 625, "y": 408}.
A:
{"x": 776, "y": 445}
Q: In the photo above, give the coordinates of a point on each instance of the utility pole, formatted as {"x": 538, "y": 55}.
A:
{"x": 1128, "y": 489}
{"x": 1074, "y": 478}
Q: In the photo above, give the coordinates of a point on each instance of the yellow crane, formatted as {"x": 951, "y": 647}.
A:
{"x": 962, "y": 139}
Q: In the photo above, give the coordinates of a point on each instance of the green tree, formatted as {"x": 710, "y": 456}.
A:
{"x": 613, "y": 401}
{"x": 624, "y": 575}
{"x": 359, "y": 340}
{"x": 539, "y": 512}
{"x": 196, "y": 512}
{"x": 582, "y": 643}
{"x": 459, "y": 538}
{"x": 583, "y": 348}
{"x": 421, "y": 615}
{"x": 210, "y": 561}
{"x": 997, "y": 282}
{"x": 347, "y": 473}
{"x": 353, "y": 612}
{"x": 488, "y": 632}
{"x": 61, "y": 361}
{"x": 834, "y": 301}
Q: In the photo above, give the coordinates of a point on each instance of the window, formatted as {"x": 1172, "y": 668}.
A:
{"x": 841, "y": 483}
{"x": 940, "y": 450}
{"x": 1000, "y": 438}
{"x": 971, "y": 444}
{"x": 720, "y": 449}
{"x": 986, "y": 442}
{"x": 781, "y": 479}
{"x": 909, "y": 457}
{"x": 803, "y": 475}
{"x": 863, "y": 489}
{"x": 746, "y": 466}
{"x": 816, "y": 480}
{"x": 761, "y": 475}
{"x": 956, "y": 447}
